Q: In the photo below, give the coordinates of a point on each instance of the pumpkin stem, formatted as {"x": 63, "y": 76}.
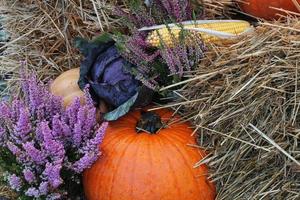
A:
{"x": 149, "y": 122}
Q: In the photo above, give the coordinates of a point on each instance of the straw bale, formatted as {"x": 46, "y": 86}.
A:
{"x": 42, "y": 33}
{"x": 244, "y": 101}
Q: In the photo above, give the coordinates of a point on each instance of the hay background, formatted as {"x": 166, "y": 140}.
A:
{"x": 239, "y": 96}
{"x": 254, "y": 82}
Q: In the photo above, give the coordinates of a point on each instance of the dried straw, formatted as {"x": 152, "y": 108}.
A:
{"x": 42, "y": 33}
{"x": 217, "y": 9}
{"x": 244, "y": 101}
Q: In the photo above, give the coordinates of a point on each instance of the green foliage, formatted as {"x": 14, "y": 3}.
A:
{"x": 121, "y": 110}
{"x": 8, "y": 161}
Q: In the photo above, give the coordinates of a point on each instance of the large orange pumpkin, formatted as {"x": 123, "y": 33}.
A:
{"x": 65, "y": 86}
{"x": 263, "y": 8}
{"x": 146, "y": 165}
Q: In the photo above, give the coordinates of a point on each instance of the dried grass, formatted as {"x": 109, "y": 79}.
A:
{"x": 244, "y": 101}
{"x": 6, "y": 193}
{"x": 42, "y": 33}
{"x": 217, "y": 9}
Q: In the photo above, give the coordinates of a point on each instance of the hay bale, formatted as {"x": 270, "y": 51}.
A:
{"x": 217, "y": 9}
{"x": 42, "y": 33}
{"x": 244, "y": 101}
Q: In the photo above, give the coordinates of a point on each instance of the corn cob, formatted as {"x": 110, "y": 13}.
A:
{"x": 210, "y": 31}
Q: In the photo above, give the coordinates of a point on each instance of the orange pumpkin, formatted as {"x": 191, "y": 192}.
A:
{"x": 263, "y": 8}
{"x": 147, "y": 165}
{"x": 65, "y": 86}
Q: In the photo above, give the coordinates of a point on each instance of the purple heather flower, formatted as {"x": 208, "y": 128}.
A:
{"x": 66, "y": 131}
{"x": 77, "y": 134}
{"x": 33, "y": 192}
{"x": 2, "y": 132}
{"x": 169, "y": 59}
{"x": 28, "y": 175}
{"x": 146, "y": 82}
{"x": 166, "y": 5}
{"x": 52, "y": 174}
{"x": 85, "y": 162}
{"x": 59, "y": 127}
{"x": 71, "y": 112}
{"x": 39, "y": 137}
{"x": 93, "y": 144}
{"x": 138, "y": 45}
{"x": 53, "y": 148}
{"x": 42, "y": 156}
{"x": 33, "y": 153}
{"x": 177, "y": 10}
{"x": 15, "y": 109}
{"x": 53, "y": 105}
{"x": 40, "y": 113}
{"x": 43, "y": 188}
{"x": 54, "y": 196}
{"x": 139, "y": 19}
{"x": 56, "y": 126}
{"x": 15, "y": 182}
{"x": 90, "y": 150}
{"x": 35, "y": 93}
{"x": 85, "y": 122}
{"x": 5, "y": 111}
{"x": 23, "y": 127}
{"x": 13, "y": 148}
{"x": 90, "y": 121}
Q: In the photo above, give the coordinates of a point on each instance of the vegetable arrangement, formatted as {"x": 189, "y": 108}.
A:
{"x": 53, "y": 135}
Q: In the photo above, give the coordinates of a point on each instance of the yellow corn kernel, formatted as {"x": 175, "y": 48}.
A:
{"x": 208, "y": 31}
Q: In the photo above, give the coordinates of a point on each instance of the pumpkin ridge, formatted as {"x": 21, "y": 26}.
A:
{"x": 120, "y": 126}
{"x": 134, "y": 166}
{"x": 128, "y": 141}
{"x": 187, "y": 164}
{"x": 108, "y": 162}
{"x": 116, "y": 134}
{"x": 168, "y": 163}
{"x": 189, "y": 167}
{"x": 149, "y": 152}
{"x": 181, "y": 137}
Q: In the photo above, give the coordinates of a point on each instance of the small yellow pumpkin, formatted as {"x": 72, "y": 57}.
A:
{"x": 65, "y": 86}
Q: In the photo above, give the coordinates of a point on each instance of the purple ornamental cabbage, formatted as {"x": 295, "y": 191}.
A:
{"x": 109, "y": 74}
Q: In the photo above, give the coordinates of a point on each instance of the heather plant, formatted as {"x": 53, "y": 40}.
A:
{"x": 124, "y": 70}
{"x": 151, "y": 12}
{"x": 157, "y": 67}
{"x": 45, "y": 147}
